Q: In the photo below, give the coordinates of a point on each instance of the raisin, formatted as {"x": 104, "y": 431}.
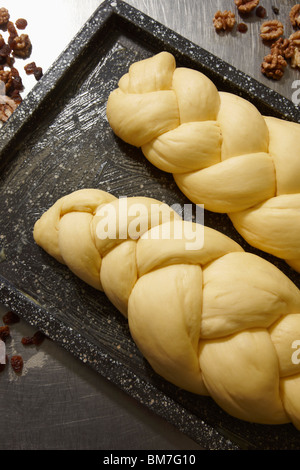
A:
{"x": 21, "y": 23}
{"x": 261, "y": 12}
{"x": 10, "y": 317}
{"x": 4, "y": 332}
{"x": 12, "y": 32}
{"x": 10, "y": 61}
{"x": 17, "y": 363}
{"x": 27, "y": 340}
{"x": 30, "y": 68}
{"x": 5, "y": 50}
{"x": 36, "y": 339}
{"x": 15, "y": 96}
{"x": 17, "y": 83}
{"x": 242, "y": 28}
{"x": 33, "y": 69}
{"x": 38, "y": 73}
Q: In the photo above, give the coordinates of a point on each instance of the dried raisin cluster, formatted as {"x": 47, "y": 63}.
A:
{"x": 10, "y": 318}
{"x": 17, "y": 46}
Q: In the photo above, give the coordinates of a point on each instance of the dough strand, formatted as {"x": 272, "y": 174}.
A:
{"x": 224, "y": 154}
{"x": 208, "y": 316}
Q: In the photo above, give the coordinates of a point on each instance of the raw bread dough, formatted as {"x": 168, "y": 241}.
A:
{"x": 222, "y": 152}
{"x": 209, "y": 317}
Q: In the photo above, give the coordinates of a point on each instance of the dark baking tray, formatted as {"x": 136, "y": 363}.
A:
{"x": 58, "y": 141}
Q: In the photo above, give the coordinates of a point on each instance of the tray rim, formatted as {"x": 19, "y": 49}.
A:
{"x": 80, "y": 347}
{"x": 37, "y": 316}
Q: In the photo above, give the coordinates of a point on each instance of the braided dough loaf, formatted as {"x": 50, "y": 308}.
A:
{"x": 222, "y": 152}
{"x": 213, "y": 320}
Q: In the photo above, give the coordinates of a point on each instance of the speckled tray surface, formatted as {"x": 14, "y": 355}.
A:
{"x": 58, "y": 141}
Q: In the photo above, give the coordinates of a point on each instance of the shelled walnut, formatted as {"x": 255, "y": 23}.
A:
{"x": 246, "y": 6}
{"x": 284, "y": 47}
{"x": 224, "y": 20}
{"x": 21, "y": 46}
{"x": 4, "y": 16}
{"x": 295, "y": 40}
{"x": 13, "y": 84}
{"x": 295, "y": 62}
{"x": 13, "y": 33}
{"x": 7, "y": 107}
{"x": 271, "y": 30}
{"x": 295, "y": 16}
{"x": 273, "y": 66}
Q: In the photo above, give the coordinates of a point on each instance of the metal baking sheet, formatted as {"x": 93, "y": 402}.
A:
{"x": 58, "y": 141}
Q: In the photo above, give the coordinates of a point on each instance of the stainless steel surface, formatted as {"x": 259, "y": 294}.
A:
{"x": 58, "y": 402}
{"x": 193, "y": 20}
{"x": 51, "y": 26}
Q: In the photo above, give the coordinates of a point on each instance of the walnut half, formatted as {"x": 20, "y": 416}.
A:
{"x": 4, "y": 16}
{"x": 224, "y": 20}
{"x": 295, "y": 38}
{"x": 7, "y": 107}
{"x": 245, "y": 6}
{"x": 271, "y": 30}
{"x": 295, "y": 15}
{"x": 273, "y": 66}
{"x": 295, "y": 41}
{"x": 21, "y": 46}
{"x": 295, "y": 62}
{"x": 284, "y": 47}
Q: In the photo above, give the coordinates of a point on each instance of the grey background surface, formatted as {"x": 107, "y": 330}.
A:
{"x": 58, "y": 402}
